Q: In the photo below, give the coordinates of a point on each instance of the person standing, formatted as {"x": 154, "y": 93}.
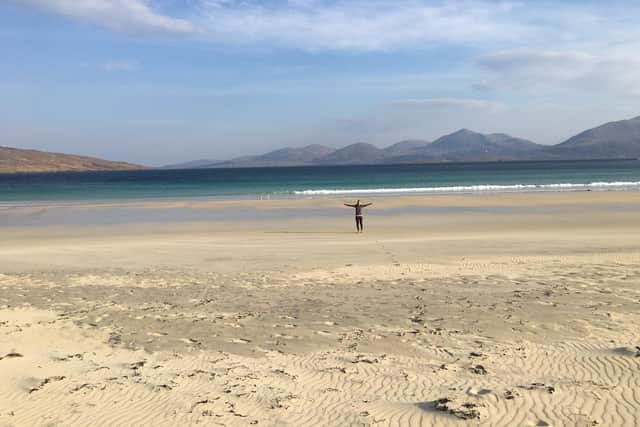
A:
{"x": 358, "y": 206}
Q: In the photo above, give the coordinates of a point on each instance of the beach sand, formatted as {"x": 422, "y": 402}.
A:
{"x": 503, "y": 309}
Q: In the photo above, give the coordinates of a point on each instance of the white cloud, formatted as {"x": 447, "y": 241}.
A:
{"x": 120, "y": 15}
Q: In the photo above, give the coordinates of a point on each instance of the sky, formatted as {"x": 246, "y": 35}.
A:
{"x": 166, "y": 81}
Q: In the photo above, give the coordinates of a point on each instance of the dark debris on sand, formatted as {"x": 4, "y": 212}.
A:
{"x": 464, "y": 411}
{"x": 478, "y": 370}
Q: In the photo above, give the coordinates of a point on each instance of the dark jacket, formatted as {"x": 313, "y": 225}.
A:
{"x": 358, "y": 207}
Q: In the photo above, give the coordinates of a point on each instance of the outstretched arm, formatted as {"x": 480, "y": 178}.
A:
{"x": 351, "y": 206}
{"x": 366, "y": 204}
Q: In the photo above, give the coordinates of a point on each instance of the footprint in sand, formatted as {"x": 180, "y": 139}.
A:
{"x": 284, "y": 336}
{"x": 478, "y": 391}
{"x": 287, "y": 325}
{"x": 39, "y": 384}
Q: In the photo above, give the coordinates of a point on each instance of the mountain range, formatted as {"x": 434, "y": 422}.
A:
{"x": 614, "y": 140}
{"x": 617, "y": 140}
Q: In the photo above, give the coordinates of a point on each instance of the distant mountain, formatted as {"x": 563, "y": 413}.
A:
{"x": 14, "y": 160}
{"x": 407, "y": 147}
{"x": 194, "y": 164}
{"x": 288, "y": 156}
{"x": 359, "y": 153}
{"x": 509, "y": 144}
{"x": 304, "y": 155}
{"x": 465, "y": 145}
{"x": 619, "y": 139}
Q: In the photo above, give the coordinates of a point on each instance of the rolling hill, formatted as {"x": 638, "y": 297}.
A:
{"x": 14, "y": 160}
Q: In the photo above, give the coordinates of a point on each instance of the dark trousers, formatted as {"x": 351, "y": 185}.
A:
{"x": 359, "y": 223}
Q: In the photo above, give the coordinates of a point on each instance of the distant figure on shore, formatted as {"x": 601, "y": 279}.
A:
{"x": 358, "y": 206}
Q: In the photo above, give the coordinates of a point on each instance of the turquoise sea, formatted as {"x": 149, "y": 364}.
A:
{"x": 339, "y": 181}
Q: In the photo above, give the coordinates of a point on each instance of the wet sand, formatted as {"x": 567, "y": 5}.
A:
{"x": 512, "y": 309}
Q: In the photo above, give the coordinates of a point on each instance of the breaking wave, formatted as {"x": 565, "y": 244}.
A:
{"x": 484, "y": 188}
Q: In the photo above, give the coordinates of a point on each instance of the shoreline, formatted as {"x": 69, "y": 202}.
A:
{"x": 472, "y": 190}
{"x": 323, "y": 208}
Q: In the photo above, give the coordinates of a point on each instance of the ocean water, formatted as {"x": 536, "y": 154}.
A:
{"x": 347, "y": 181}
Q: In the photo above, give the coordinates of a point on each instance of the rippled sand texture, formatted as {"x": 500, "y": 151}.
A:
{"x": 540, "y": 327}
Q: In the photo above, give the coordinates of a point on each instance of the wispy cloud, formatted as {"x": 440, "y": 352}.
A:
{"x": 120, "y": 15}
{"x": 531, "y": 68}
{"x": 620, "y": 74}
{"x": 541, "y": 61}
{"x": 423, "y": 107}
{"x": 359, "y": 25}
{"x": 114, "y": 66}
{"x": 370, "y": 25}
{"x": 520, "y": 68}
{"x": 446, "y": 103}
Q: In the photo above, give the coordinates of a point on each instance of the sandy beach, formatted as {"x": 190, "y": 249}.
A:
{"x": 494, "y": 309}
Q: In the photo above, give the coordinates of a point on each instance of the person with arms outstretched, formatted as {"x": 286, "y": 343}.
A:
{"x": 358, "y": 206}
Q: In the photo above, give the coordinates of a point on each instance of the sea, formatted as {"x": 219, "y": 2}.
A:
{"x": 320, "y": 181}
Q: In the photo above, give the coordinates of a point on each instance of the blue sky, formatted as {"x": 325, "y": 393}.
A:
{"x": 163, "y": 81}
